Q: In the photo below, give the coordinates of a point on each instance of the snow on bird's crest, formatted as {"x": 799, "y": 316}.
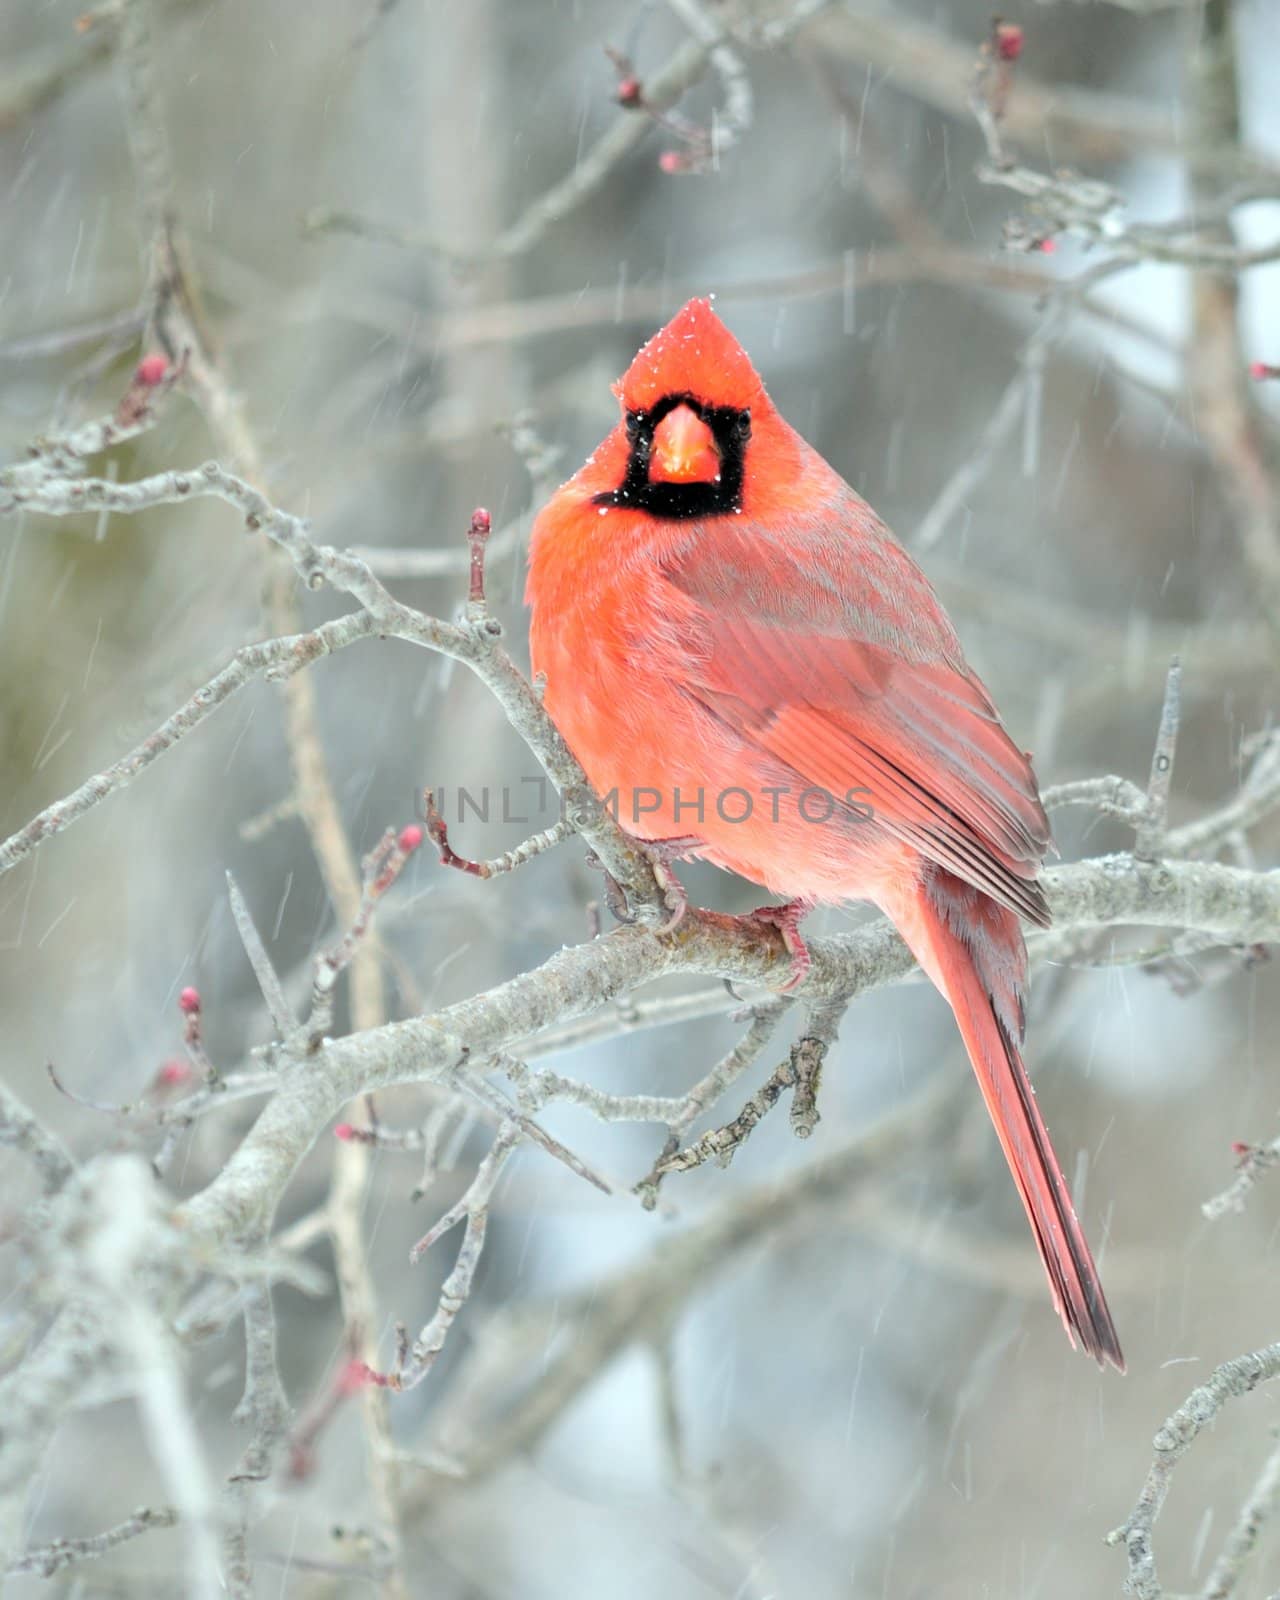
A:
{"x": 694, "y": 354}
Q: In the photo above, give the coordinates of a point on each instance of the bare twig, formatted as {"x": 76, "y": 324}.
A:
{"x": 120, "y": 325}
{"x": 763, "y": 1023}
{"x": 1089, "y": 124}
{"x": 1243, "y": 1538}
{"x": 974, "y": 468}
{"x": 538, "y": 844}
{"x": 380, "y": 869}
{"x": 1232, "y": 1379}
{"x": 442, "y": 563}
{"x": 415, "y": 1362}
{"x": 148, "y": 145}
{"x": 496, "y": 1102}
{"x": 269, "y": 983}
{"x": 1149, "y": 842}
{"x": 274, "y": 658}
{"x": 345, "y": 1219}
{"x": 992, "y": 84}
{"x": 63, "y": 452}
{"x": 176, "y": 1118}
{"x": 1065, "y": 202}
{"x": 800, "y": 1072}
{"x": 1020, "y": 402}
{"x": 45, "y": 1560}
{"x": 562, "y": 199}
{"x": 808, "y": 1056}
{"x": 1112, "y": 796}
{"x": 477, "y": 538}
{"x": 733, "y": 121}
{"x": 1258, "y": 798}
{"x": 192, "y": 1009}
{"x": 1254, "y": 1161}
{"x": 722, "y": 1144}
{"x": 348, "y": 1378}
{"x": 478, "y": 1193}
{"x": 539, "y": 1086}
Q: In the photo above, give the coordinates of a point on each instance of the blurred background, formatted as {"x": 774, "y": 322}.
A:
{"x": 862, "y": 1390}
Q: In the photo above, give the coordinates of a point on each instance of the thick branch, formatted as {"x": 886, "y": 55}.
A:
{"x": 1232, "y": 904}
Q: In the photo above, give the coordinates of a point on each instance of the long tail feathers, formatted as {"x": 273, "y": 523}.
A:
{"x": 972, "y": 949}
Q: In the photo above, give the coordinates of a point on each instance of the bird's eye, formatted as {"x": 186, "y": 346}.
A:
{"x": 635, "y": 421}
{"x": 743, "y": 424}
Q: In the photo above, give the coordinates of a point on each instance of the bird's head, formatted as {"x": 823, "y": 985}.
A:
{"x": 690, "y": 401}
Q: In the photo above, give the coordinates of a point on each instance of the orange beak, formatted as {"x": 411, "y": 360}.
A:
{"x": 684, "y": 449}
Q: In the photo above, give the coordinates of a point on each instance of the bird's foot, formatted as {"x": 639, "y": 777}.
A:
{"x": 787, "y": 919}
{"x": 614, "y": 897}
{"x": 674, "y": 894}
{"x": 662, "y": 852}
{"x": 680, "y": 848}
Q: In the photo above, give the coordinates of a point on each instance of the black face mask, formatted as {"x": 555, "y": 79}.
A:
{"x": 678, "y": 502}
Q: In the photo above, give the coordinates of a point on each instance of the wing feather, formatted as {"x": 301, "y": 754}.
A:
{"x": 786, "y": 656}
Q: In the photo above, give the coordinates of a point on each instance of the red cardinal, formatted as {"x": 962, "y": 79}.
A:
{"x": 734, "y": 642}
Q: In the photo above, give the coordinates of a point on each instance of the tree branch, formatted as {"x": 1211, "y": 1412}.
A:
{"x": 1232, "y": 1379}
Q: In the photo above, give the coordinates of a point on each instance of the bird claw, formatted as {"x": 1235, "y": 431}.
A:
{"x": 674, "y": 893}
{"x": 661, "y": 852}
{"x": 614, "y": 897}
{"x": 787, "y": 919}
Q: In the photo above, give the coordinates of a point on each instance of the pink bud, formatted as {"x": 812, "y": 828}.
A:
{"x": 151, "y": 370}
{"x": 189, "y": 1001}
{"x": 481, "y": 522}
{"x": 1240, "y": 1150}
{"x": 630, "y": 93}
{"x": 672, "y": 161}
{"x": 1046, "y": 247}
{"x": 1258, "y": 370}
{"x": 344, "y": 1131}
{"x": 1008, "y": 40}
{"x": 410, "y": 838}
{"x": 355, "y": 1375}
{"x": 174, "y": 1072}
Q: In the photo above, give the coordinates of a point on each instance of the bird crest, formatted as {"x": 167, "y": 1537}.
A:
{"x": 695, "y": 354}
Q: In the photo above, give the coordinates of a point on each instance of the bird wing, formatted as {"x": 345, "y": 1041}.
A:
{"x": 828, "y": 650}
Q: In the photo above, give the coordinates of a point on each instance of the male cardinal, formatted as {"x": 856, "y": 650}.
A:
{"x": 750, "y": 666}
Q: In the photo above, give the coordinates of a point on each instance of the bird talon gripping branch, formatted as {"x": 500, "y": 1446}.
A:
{"x": 787, "y": 919}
